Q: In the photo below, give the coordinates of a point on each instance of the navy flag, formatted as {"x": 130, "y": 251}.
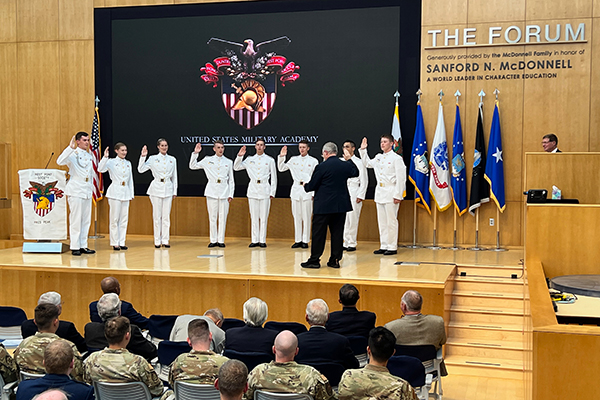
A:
{"x": 419, "y": 165}
{"x": 459, "y": 175}
{"x": 480, "y": 188}
{"x": 494, "y": 170}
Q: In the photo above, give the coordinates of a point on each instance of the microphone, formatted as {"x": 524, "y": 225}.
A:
{"x": 51, "y": 155}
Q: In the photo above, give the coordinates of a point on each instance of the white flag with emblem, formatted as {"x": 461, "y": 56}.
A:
{"x": 439, "y": 182}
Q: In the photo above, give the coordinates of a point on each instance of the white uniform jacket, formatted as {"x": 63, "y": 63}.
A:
{"x": 81, "y": 172}
{"x": 390, "y": 172}
{"x": 219, "y": 171}
{"x": 164, "y": 171}
{"x": 302, "y": 169}
{"x": 121, "y": 176}
{"x": 360, "y": 182}
{"x": 259, "y": 169}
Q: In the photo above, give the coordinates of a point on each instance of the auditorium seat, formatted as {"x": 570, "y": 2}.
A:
{"x": 295, "y": 327}
{"x": 232, "y": 323}
{"x": 168, "y": 351}
{"x": 250, "y": 359}
{"x": 431, "y": 360}
{"x": 413, "y": 371}
{"x": 160, "y": 327}
{"x": 11, "y": 319}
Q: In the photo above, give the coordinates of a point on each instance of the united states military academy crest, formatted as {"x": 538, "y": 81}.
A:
{"x": 43, "y": 196}
{"x": 249, "y": 75}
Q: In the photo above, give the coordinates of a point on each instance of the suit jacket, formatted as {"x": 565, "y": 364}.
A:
{"x": 95, "y": 339}
{"x": 317, "y": 346}
{"x": 250, "y": 339}
{"x": 415, "y": 330}
{"x": 329, "y": 182}
{"x": 127, "y": 310}
{"x": 66, "y": 330}
{"x": 75, "y": 390}
{"x": 351, "y": 322}
{"x": 179, "y": 333}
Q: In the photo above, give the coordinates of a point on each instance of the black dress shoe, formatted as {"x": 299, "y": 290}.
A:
{"x": 344, "y": 248}
{"x": 390, "y": 252}
{"x": 310, "y": 265}
{"x": 351, "y": 249}
{"x": 304, "y": 245}
{"x": 213, "y": 244}
{"x": 76, "y": 252}
{"x": 116, "y": 248}
{"x": 157, "y": 246}
{"x": 124, "y": 247}
{"x": 87, "y": 251}
{"x": 263, "y": 245}
{"x": 380, "y": 251}
{"x": 167, "y": 246}
{"x": 253, "y": 245}
{"x": 221, "y": 244}
{"x": 333, "y": 264}
{"x": 297, "y": 245}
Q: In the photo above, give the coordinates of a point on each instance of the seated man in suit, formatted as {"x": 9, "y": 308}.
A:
{"x": 350, "y": 321}
{"x": 285, "y": 375}
{"x": 232, "y": 382}
{"x": 111, "y": 285}
{"x": 116, "y": 364}
{"x": 59, "y": 361}
{"x": 374, "y": 381}
{"x": 252, "y": 337}
{"x": 199, "y": 365}
{"x": 214, "y": 318}
{"x": 319, "y": 346}
{"x": 66, "y": 329}
{"x": 109, "y": 306}
{"x": 30, "y": 353}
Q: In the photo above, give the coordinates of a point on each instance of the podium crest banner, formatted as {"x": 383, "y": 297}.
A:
{"x": 44, "y": 204}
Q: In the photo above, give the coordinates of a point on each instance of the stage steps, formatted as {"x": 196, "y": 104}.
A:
{"x": 486, "y": 327}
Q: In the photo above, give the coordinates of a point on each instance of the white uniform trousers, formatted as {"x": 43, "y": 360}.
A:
{"x": 161, "y": 214}
{"x": 352, "y": 218}
{"x": 217, "y": 218}
{"x": 387, "y": 218}
{"x": 302, "y": 213}
{"x": 80, "y": 217}
{"x": 259, "y": 215}
{"x": 119, "y": 217}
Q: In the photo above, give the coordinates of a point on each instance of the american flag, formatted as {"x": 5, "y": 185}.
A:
{"x": 95, "y": 143}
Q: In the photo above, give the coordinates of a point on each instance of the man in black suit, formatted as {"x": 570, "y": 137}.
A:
{"x": 319, "y": 346}
{"x": 550, "y": 143}
{"x": 111, "y": 285}
{"x": 252, "y": 337}
{"x": 332, "y": 201}
{"x": 66, "y": 329}
{"x": 109, "y": 306}
{"x": 350, "y": 321}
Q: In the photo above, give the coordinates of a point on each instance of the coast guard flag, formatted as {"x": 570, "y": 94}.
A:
{"x": 439, "y": 184}
{"x": 419, "y": 166}
{"x": 494, "y": 170}
{"x": 459, "y": 175}
{"x": 396, "y": 134}
{"x": 480, "y": 188}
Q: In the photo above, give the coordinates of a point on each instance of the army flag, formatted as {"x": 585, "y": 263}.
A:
{"x": 439, "y": 184}
{"x": 396, "y": 133}
{"x": 96, "y": 156}
{"x": 480, "y": 188}
{"x": 494, "y": 170}
{"x": 419, "y": 165}
{"x": 459, "y": 175}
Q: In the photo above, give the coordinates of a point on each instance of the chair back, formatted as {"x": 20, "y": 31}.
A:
{"x": 262, "y": 395}
{"x": 25, "y": 376}
{"x": 121, "y": 390}
{"x": 11, "y": 319}
{"x": 423, "y": 352}
{"x": 295, "y": 327}
{"x": 232, "y": 323}
{"x": 358, "y": 344}
{"x": 408, "y": 368}
{"x": 195, "y": 391}
{"x": 168, "y": 351}
{"x": 332, "y": 371}
{"x": 250, "y": 359}
{"x": 160, "y": 326}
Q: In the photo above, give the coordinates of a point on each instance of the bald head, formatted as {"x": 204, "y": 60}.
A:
{"x": 51, "y": 394}
{"x": 286, "y": 346}
{"x": 110, "y": 284}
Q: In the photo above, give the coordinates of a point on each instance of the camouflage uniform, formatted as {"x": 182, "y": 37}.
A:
{"x": 8, "y": 366}
{"x": 119, "y": 365}
{"x": 30, "y": 354}
{"x": 289, "y": 377}
{"x": 374, "y": 382}
{"x": 196, "y": 367}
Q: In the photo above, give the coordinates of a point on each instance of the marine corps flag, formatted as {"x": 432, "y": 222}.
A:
{"x": 419, "y": 165}
{"x": 494, "y": 170}
{"x": 480, "y": 188}
{"x": 459, "y": 175}
{"x": 439, "y": 184}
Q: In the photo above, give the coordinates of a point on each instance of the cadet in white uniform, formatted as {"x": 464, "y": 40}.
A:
{"x": 390, "y": 173}
{"x": 162, "y": 190}
{"x": 79, "y": 191}
{"x": 260, "y": 167}
{"x": 119, "y": 193}
{"x": 219, "y": 190}
{"x": 302, "y": 168}
{"x": 357, "y": 187}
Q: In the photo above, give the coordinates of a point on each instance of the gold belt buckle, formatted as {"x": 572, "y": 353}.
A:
{"x": 123, "y": 183}
{"x": 381, "y": 185}
{"x": 162, "y": 179}
{"x": 258, "y": 181}
{"x": 301, "y": 183}
{"x": 87, "y": 179}
{"x": 218, "y": 181}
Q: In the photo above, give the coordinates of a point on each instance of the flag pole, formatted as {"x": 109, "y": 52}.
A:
{"x": 414, "y": 243}
{"x": 477, "y": 248}
{"x": 498, "y": 248}
{"x": 94, "y": 203}
{"x": 455, "y": 245}
{"x": 434, "y": 246}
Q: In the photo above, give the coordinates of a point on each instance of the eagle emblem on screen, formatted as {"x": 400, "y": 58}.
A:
{"x": 249, "y": 74}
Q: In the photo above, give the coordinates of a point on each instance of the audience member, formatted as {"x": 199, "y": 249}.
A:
{"x": 285, "y": 375}
{"x": 30, "y": 353}
{"x": 214, "y": 317}
{"x": 111, "y": 285}
{"x": 117, "y": 364}
{"x": 374, "y": 381}
{"x": 200, "y": 365}
{"x": 66, "y": 329}
{"x": 550, "y": 143}
{"x": 8, "y": 366}
{"x": 350, "y": 321}
{"x": 319, "y": 346}
{"x": 232, "y": 382}
{"x": 51, "y": 394}
{"x": 252, "y": 337}
{"x": 59, "y": 361}
{"x": 109, "y": 306}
